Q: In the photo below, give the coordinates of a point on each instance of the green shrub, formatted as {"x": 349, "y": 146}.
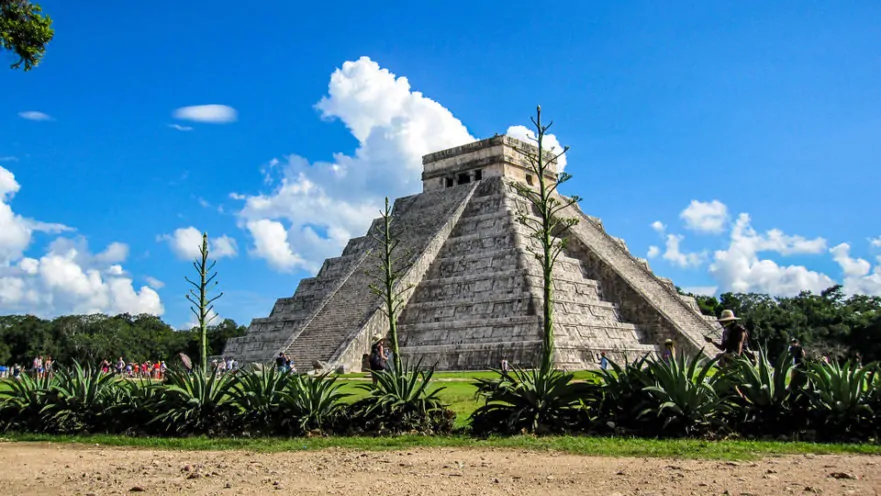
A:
{"x": 311, "y": 404}
{"x": 22, "y": 402}
{"x": 531, "y": 401}
{"x": 399, "y": 402}
{"x": 622, "y": 396}
{"x": 840, "y": 399}
{"x": 136, "y": 410}
{"x": 82, "y": 400}
{"x": 194, "y": 403}
{"x": 764, "y": 400}
{"x": 257, "y": 397}
{"x": 682, "y": 397}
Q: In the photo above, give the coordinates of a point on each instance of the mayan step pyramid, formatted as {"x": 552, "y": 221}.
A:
{"x": 476, "y": 291}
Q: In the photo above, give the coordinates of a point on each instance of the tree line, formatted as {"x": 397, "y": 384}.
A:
{"x": 829, "y": 324}
{"x": 92, "y": 338}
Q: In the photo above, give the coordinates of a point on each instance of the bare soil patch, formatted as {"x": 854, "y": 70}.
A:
{"x": 49, "y": 469}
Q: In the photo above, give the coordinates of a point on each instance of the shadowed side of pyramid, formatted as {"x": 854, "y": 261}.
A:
{"x": 475, "y": 287}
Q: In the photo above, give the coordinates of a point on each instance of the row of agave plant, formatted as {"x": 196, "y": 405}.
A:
{"x": 248, "y": 403}
{"x": 691, "y": 397}
{"x": 647, "y": 397}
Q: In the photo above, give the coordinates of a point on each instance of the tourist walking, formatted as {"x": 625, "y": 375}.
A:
{"x": 734, "y": 338}
{"x": 604, "y": 361}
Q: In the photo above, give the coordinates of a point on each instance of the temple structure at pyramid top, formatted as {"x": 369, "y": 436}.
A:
{"x": 474, "y": 290}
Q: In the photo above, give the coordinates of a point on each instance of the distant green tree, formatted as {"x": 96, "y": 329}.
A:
{"x": 25, "y": 31}
{"x": 542, "y": 219}
{"x": 203, "y": 304}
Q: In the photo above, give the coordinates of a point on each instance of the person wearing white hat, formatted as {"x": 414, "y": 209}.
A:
{"x": 734, "y": 337}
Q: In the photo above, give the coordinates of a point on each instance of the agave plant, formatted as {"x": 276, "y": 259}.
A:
{"x": 622, "y": 394}
{"x": 82, "y": 399}
{"x": 311, "y": 403}
{"x": 402, "y": 400}
{"x": 683, "y": 396}
{"x": 761, "y": 392}
{"x": 257, "y": 395}
{"x": 136, "y": 408}
{"x": 22, "y": 402}
{"x": 840, "y": 397}
{"x": 194, "y": 403}
{"x": 533, "y": 401}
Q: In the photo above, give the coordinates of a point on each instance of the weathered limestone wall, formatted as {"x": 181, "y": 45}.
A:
{"x": 495, "y": 157}
{"x": 481, "y": 300}
{"x": 336, "y": 325}
{"x": 643, "y": 298}
{"x": 265, "y": 337}
{"x": 350, "y": 352}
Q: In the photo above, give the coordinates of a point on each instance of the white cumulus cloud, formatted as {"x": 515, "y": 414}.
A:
{"x": 16, "y": 231}
{"x": 739, "y": 268}
{"x": 549, "y": 143}
{"x": 186, "y": 243}
{"x": 69, "y": 279}
{"x": 313, "y": 209}
{"x": 674, "y": 255}
{"x": 859, "y": 277}
{"x": 33, "y": 115}
{"x": 705, "y": 217}
{"x": 212, "y": 114}
{"x": 876, "y": 242}
{"x": 744, "y": 264}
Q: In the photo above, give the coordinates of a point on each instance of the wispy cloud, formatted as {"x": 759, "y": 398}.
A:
{"x": 33, "y": 115}
{"x": 154, "y": 283}
{"x": 213, "y": 114}
{"x": 180, "y": 128}
{"x": 9, "y": 158}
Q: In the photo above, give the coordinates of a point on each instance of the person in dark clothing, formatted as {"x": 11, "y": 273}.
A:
{"x": 734, "y": 338}
{"x": 281, "y": 362}
{"x": 797, "y": 352}
{"x": 798, "y": 378}
{"x": 377, "y": 359}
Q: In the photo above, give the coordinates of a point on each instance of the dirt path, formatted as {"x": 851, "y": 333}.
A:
{"x": 48, "y": 469}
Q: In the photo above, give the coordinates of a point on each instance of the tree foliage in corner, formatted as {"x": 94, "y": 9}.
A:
{"x": 25, "y": 31}
{"x": 542, "y": 219}
{"x": 387, "y": 275}
{"x": 203, "y": 305}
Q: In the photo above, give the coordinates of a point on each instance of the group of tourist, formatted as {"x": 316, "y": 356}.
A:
{"x": 40, "y": 367}
{"x": 229, "y": 364}
{"x": 146, "y": 370}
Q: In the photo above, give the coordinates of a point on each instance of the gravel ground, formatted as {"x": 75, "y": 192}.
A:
{"x": 48, "y": 469}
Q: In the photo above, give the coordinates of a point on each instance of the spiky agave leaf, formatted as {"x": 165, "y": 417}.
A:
{"x": 82, "y": 399}
{"x": 761, "y": 393}
{"x": 257, "y": 396}
{"x": 403, "y": 398}
{"x": 533, "y": 400}
{"x": 311, "y": 403}
{"x": 682, "y": 396}
{"x": 22, "y": 401}
{"x": 840, "y": 396}
{"x": 196, "y": 402}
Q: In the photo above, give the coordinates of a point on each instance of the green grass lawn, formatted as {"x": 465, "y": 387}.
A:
{"x": 581, "y": 445}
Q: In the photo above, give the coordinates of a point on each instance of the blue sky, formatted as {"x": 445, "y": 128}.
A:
{"x": 747, "y": 132}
